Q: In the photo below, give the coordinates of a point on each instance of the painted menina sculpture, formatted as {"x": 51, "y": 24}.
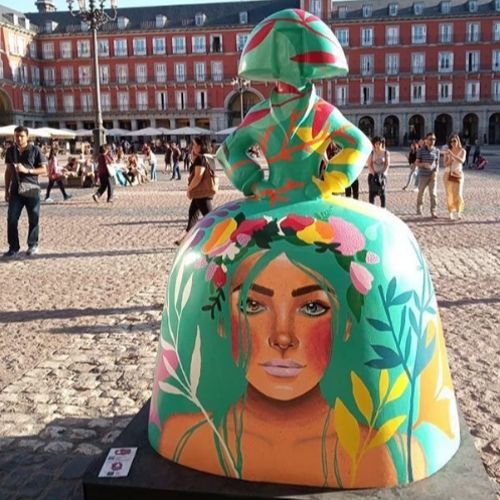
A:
{"x": 300, "y": 340}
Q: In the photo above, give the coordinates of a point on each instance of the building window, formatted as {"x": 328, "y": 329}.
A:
{"x": 139, "y": 45}
{"x": 123, "y": 22}
{"x": 104, "y": 74}
{"x": 217, "y": 71}
{"x": 366, "y": 94}
{"x": 393, "y": 9}
{"x": 341, "y": 95}
{"x": 35, "y": 75}
{"x": 199, "y": 71}
{"x": 497, "y": 5}
{"x": 342, "y": 11}
{"x": 472, "y": 5}
{"x": 67, "y": 75}
{"x": 180, "y": 100}
{"x": 122, "y": 74}
{"x": 392, "y": 93}
{"x": 49, "y": 76}
{"x": 315, "y": 8}
{"x": 473, "y": 32}
{"x": 179, "y": 45}
{"x": 199, "y": 19}
{"x": 84, "y": 75}
{"x": 123, "y": 101}
{"x": 121, "y": 47}
{"x": 417, "y": 63}
{"x": 342, "y": 35}
{"x": 446, "y": 33}
{"x": 37, "y": 103}
{"x": 445, "y": 62}
{"x": 105, "y": 101}
{"x": 23, "y": 73}
{"x": 33, "y": 50}
{"x": 199, "y": 44}
{"x": 366, "y": 37}
{"x": 26, "y": 101}
{"x": 216, "y": 43}
{"x": 83, "y": 48}
{"x": 496, "y": 32}
{"x": 366, "y": 64}
{"x": 418, "y": 92}
{"x": 141, "y": 100}
{"x": 445, "y": 92}
{"x": 48, "y": 50}
{"x": 367, "y": 10}
{"x": 418, "y": 33}
{"x": 103, "y": 48}
{"x": 159, "y": 46}
{"x": 241, "y": 40}
{"x": 160, "y": 73}
{"x": 495, "y": 60}
{"x": 161, "y": 101}
{"x": 180, "y": 72}
{"x": 495, "y": 90}
{"x": 201, "y": 99}
{"x": 1, "y": 69}
{"x": 445, "y": 7}
{"x": 392, "y": 35}
{"x": 243, "y": 17}
{"x": 65, "y": 49}
{"x": 50, "y": 103}
{"x": 141, "y": 73}
{"x": 418, "y": 8}
{"x": 392, "y": 64}
{"x": 472, "y": 91}
{"x": 160, "y": 21}
{"x": 68, "y": 103}
{"x": 472, "y": 61}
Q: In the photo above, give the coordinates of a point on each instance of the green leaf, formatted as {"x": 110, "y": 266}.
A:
{"x": 380, "y": 364}
{"x": 417, "y": 300}
{"x": 391, "y": 290}
{"x": 344, "y": 261}
{"x": 391, "y": 357}
{"x": 401, "y": 298}
{"x": 355, "y": 301}
{"x": 402, "y": 323}
{"x": 379, "y": 325}
{"x": 413, "y": 321}
{"x": 430, "y": 310}
{"x": 424, "y": 355}
{"x": 408, "y": 345}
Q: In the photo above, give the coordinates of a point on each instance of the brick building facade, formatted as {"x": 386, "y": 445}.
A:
{"x": 415, "y": 66}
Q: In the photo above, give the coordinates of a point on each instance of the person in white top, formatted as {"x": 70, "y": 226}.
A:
{"x": 454, "y": 159}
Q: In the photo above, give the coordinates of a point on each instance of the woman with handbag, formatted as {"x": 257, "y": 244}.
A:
{"x": 55, "y": 175}
{"x": 201, "y": 185}
{"x": 454, "y": 160}
{"x": 378, "y": 164}
{"x": 104, "y": 164}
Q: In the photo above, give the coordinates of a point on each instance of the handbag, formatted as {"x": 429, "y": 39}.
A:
{"x": 26, "y": 189}
{"x": 209, "y": 184}
{"x": 454, "y": 178}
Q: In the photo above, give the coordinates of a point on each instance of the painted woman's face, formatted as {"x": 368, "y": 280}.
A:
{"x": 289, "y": 321}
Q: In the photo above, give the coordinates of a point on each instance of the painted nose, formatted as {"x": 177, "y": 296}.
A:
{"x": 283, "y": 341}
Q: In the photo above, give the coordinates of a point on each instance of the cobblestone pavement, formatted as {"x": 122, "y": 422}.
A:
{"x": 79, "y": 322}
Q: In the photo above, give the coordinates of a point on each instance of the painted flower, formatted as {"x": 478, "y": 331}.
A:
{"x": 196, "y": 239}
{"x": 348, "y": 235}
{"x": 318, "y": 232}
{"x": 249, "y": 227}
{"x": 217, "y": 274}
{"x": 295, "y": 222}
{"x": 361, "y": 278}
{"x": 219, "y": 236}
{"x": 372, "y": 258}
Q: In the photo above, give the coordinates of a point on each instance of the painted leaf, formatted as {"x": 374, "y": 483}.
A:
{"x": 347, "y": 429}
{"x": 424, "y": 355}
{"x": 413, "y": 321}
{"x": 391, "y": 290}
{"x": 383, "y": 384}
{"x": 408, "y": 345}
{"x": 386, "y": 431}
{"x": 362, "y": 397}
{"x": 379, "y": 325}
{"x": 166, "y": 346}
{"x": 254, "y": 116}
{"x": 401, "y": 298}
{"x": 170, "y": 389}
{"x": 398, "y": 388}
{"x": 195, "y": 370}
{"x": 170, "y": 368}
{"x": 178, "y": 282}
{"x": 259, "y": 37}
{"x": 186, "y": 292}
{"x": 392, "y": 357}
{"x": 417, "y": 300}
{"x": 355, "y": 301}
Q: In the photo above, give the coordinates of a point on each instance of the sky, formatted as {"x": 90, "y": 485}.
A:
{"x": 30, "y": 5}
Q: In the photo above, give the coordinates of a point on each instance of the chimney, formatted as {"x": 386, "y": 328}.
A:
{"x": 45, "y": 5}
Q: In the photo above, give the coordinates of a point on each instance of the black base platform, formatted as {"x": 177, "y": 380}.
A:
{"x": 153, "y": 477}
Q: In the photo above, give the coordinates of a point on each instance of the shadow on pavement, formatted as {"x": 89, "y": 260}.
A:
{"x": 467, "y": 302}
{"x": 144, "y": 222}
{"x": 126, "y": 327}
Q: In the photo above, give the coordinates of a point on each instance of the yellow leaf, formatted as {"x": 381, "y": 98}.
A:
{"x": 398, "y": 388}
{"x": 386, "y": 431}
{"x": 431, "y": 331}
{"x": 347, "y": 429}
{"x": 362, "y": 397}
{"x": 383, "y": 384}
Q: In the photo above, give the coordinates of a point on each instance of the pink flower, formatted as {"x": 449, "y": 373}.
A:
{"x": 372, "y": 258}
{"x": 248, "y": 227}
{"x": 361, "y": 278}
{"x": 349, "y": 236}
{"x": 296, "y": 222}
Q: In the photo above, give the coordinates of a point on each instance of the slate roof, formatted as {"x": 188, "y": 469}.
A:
{"x": 178, "y": 16}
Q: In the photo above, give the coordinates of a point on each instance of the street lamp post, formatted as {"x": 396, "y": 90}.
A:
{"x": 95, "y": 16}
{"x": 240, "y": 86}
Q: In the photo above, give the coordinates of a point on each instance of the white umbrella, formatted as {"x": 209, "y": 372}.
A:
{"x": 83, "y": 132}
{"x": 148, "y": 131}
{"x": 117, "y": 131}
{"x": 190, "y": 131}
{"x": 62, "y": 133}
{"x": 164, "y": 131}
{"x": 41, "y": 132}
{"x": 226, "y": 131}
{"x": 7, "y": 130}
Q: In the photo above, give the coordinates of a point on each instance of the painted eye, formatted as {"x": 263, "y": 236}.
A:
{"x": 253, "y": 307}
{"x": 314, "y": 309}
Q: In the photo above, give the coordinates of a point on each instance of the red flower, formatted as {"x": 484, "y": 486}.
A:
{"x": 248, "y": 227}
{"x": 296, "y": 222}
{"x": 219, "y": 278}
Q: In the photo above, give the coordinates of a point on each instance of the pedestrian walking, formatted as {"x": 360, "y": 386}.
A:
{"x": 176, "y": 157}
{"x": 378, "y": 165}
{"x": 168, "y": 157}
{"x": 150, "y": 157}
{"x": 55, "y": 173}
{"x": 454, "y": 160}
{"x": 201, "y": 184}
{"x": 428, "y": 165}
{"x": 104, "y": 164}
{"x": 24, "y": 164}
{"x": 413, "y": 175}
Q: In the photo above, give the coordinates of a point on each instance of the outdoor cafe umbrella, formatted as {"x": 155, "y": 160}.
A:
{"x": 226, "y": 131}
{"x": 190, "y": 131}
{"x": 148, "y": 131}
{"x": 7, "y": 130}
{"x": 83, "y": 132}
{"x": 117, "y": 131}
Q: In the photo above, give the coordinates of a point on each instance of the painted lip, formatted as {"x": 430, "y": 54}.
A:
{"x": 282, "y": 368}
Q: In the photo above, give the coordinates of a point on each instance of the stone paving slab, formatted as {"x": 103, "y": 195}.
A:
{"x": 78, "y": 340}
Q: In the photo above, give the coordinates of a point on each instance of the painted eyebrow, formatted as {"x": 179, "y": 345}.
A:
{"x": 305, "y": 289}
{"x": 258, "y": 288}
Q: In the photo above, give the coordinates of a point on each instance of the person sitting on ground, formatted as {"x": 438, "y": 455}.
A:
{"x": 131, "y": 171}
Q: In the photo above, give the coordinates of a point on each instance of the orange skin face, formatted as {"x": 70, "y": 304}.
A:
{"x": 289, "y": 323}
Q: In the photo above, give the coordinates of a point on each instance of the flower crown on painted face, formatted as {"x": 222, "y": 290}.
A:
{"x": 233, "y": 238}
